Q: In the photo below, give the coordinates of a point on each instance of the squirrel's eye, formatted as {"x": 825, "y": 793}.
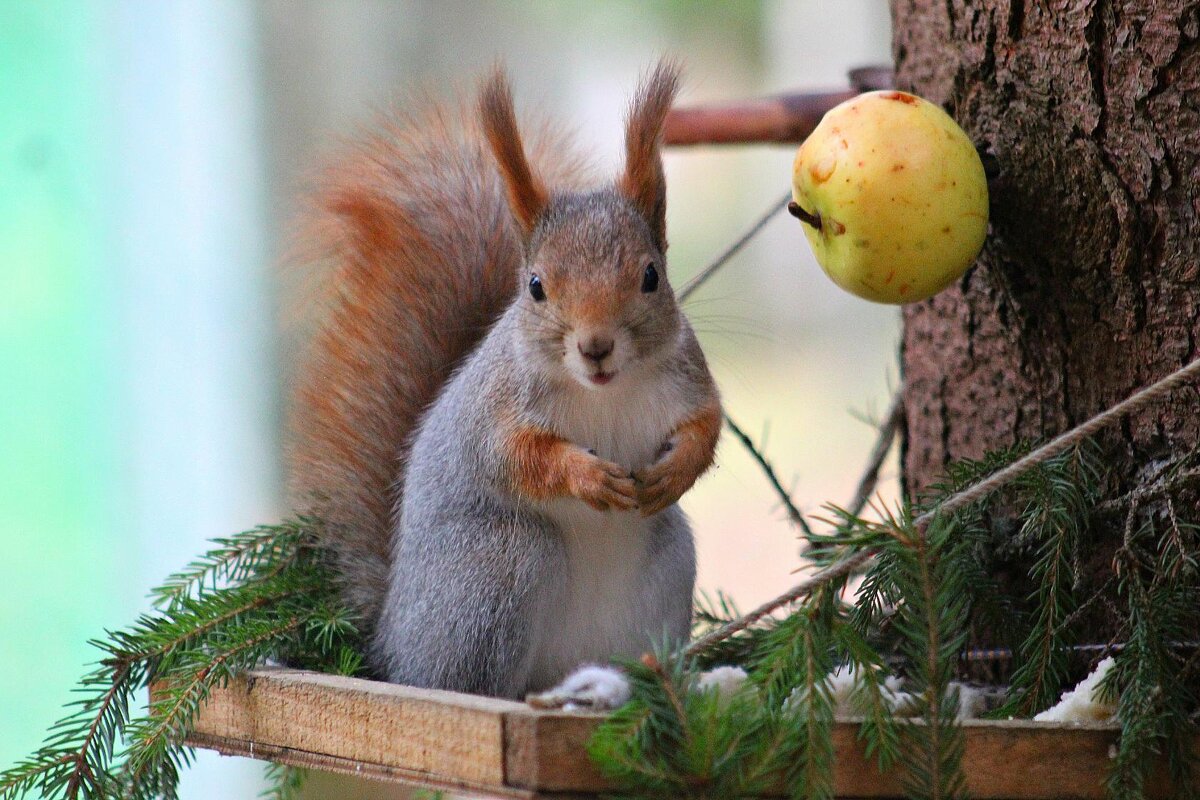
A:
{"x": 535, "y": 288}
{"x": 649, "y": 279}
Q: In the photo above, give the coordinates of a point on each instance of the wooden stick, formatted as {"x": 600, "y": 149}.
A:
{"x": 781, "y": 119}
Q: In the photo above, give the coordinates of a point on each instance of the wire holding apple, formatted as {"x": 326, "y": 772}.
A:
{"x": 893, "y": 196}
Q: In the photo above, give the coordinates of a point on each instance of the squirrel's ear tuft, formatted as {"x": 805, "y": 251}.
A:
{"x": 643, "y": 182}
{"x": 526, "y": 194}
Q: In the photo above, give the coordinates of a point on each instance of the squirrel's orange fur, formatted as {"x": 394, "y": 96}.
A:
{"x": 544, "y": 465}
{"x": 643, "y": 180}
{"x": 663, "y": 482}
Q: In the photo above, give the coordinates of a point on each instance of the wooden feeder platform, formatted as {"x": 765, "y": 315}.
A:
{"x": 484, "y": 747}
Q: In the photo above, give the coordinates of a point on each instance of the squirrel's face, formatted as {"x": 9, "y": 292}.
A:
{"x": 596, "y": 302}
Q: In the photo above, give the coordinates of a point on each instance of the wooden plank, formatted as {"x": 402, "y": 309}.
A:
{"x": 1003, "y": 760}
{"x": 457, "y": 738}
{"x": 506, "y": 749}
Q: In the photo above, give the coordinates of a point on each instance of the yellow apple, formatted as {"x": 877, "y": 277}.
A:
{"x": 894, "y": 195}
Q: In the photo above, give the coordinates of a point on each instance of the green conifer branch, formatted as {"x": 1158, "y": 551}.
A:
{"x": 932, "y": 617}
{"x": 256, "y": 554}
{"x": 266, "y": 594}
{"x": 1061, "y": 498}
{"x": 810, "y": 703}
{"x": 879, "y": 730}
{"x": 1157, "y": 694}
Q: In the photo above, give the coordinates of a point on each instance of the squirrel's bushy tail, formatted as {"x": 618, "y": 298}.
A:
{"x": 420, "y": 254}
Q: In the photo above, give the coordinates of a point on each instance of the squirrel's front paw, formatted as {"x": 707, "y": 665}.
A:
{"x": 661, "y": 484}
{"x": 601, "y": 484}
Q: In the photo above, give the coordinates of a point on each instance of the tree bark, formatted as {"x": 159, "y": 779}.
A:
{"x": 1087, "y": 288}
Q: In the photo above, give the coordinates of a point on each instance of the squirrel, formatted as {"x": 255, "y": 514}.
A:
{"x": 504, "y": 401}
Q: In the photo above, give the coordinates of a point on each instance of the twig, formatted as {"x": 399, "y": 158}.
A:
{"x": 729, "y": 252}
{"x": 1155, "y": 486}
{"x": 691, "y": 287}
{"x": 793, "y": 513}
{"x": 883, "y": 445}
{"x": 964, "y": 498}
{"x": 831, "y": 573}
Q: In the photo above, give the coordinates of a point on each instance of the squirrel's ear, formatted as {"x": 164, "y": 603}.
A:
{"x": 526, "y": 194}
{"x": 643, "y": 182}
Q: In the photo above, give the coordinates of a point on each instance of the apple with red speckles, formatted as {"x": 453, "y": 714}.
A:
{"x": 893, "y": 195}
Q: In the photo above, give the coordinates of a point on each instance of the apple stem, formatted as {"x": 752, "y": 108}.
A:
{"x": 799, "y": 213}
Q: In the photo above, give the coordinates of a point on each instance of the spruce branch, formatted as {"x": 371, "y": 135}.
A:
{"x": 172, "y": 713}
{"x": 932, "y": 617}
{"x": 784, "y": 495}
{"x": 77, "y": 752}
{"x": 256, "y": 554}
{"x": 809, "y": 703}
{"x": 1061, "y": 497}
{"x": 926, "y": 586}
{"x": 154, "y": 638}
{"x": 879, "y": 729}
{"x": 1157, "y": 704}
{"x": 266, "y": 594}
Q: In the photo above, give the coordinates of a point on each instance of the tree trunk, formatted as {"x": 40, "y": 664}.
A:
{"x": 1088, "y": 287}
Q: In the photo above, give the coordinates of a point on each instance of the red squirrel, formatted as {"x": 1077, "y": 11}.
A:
{"x": 503, "y": 402}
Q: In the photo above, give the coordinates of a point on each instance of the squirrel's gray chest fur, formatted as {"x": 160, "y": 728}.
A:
{"x": 608, "y": 604}
{"x": 600, "y": 607}
{"x": 494, "y": 594}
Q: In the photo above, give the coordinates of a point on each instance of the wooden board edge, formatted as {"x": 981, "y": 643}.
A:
{"x": 1002, "y": 759}
{"x": 546, "y": 751}
{"x": 542, "y": 753}
{"x": 342, "y": 683}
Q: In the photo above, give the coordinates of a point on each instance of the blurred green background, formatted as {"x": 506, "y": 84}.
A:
{"x": 152, "y": 155}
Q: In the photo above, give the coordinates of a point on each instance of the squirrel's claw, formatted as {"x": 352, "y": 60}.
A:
{"x": 604, "y": 485}
{"x": 661, "y": 485}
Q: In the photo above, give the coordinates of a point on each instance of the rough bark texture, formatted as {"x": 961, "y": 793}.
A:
{"x": 1089, "y": 285}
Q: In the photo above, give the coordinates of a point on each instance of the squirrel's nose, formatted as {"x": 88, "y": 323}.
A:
{"x": 598, "y": 348}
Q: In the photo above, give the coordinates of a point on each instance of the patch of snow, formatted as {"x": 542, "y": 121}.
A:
{"x": 725, "y": 680}
{"x": 1083, "y": 703}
